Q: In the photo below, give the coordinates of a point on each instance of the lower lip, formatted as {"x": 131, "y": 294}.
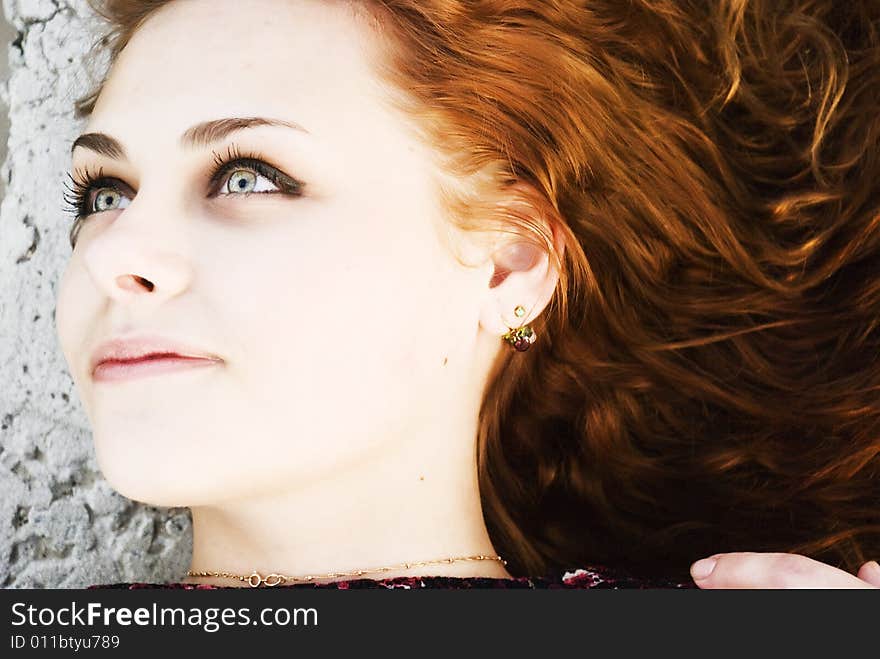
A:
{"x": 113, "y": 371}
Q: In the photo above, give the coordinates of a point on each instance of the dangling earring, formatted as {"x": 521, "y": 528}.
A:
{"x": 520, "y": 338}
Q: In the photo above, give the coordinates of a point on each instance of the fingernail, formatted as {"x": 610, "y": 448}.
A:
{"x": 703, "y": 568}
{"x": 874, "y": 567}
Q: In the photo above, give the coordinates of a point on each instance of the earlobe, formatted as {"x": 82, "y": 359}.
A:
{"x": 519, "y": 289}
{"x": 523, "y": 274}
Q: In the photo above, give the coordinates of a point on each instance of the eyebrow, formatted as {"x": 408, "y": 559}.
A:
{"x": 202, "y": 134}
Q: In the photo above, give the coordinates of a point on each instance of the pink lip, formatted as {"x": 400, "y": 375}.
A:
{"x": 114, "y": 371}
{"x": 133, "y": 356}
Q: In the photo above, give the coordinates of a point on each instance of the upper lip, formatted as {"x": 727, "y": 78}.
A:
{"x": 126, "y": 348}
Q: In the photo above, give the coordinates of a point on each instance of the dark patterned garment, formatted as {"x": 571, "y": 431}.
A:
{"x": 589, "y": 577}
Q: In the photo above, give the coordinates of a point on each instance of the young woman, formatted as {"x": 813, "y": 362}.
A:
{"x": 487, "y": 289}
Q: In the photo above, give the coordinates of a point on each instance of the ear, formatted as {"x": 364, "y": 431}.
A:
{"x": 524, "y": 273}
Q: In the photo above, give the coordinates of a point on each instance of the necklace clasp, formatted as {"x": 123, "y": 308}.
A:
{"x": 255, "y": 580}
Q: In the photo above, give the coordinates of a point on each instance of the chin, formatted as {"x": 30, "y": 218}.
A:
{"x": 152, "y": 482}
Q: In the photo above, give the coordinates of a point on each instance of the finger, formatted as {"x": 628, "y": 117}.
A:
{"x": 870, "y": 572}
{"x": 770, "y": 570}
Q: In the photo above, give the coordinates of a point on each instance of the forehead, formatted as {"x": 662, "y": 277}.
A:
{"x": 307, "y": 60}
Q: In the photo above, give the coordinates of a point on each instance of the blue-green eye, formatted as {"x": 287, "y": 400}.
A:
{"x": 246, "y": 180}
{"x": 239, "y": 173}
{"x": 108, "y": 199}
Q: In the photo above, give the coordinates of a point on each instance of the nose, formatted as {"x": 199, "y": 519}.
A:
{"x": 131, "y": 259}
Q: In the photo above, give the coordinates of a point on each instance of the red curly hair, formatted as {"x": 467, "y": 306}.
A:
{"x": 707, "y": 376}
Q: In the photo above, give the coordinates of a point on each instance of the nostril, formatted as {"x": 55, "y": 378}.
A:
{"x": 126, "y": 282}
{"x": 146, "y": 283}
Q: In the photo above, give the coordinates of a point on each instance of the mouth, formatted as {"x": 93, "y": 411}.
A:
{"x": 115, "y": 370}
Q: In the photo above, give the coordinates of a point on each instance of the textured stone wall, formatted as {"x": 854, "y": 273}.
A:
{"x": 61, "y": 525}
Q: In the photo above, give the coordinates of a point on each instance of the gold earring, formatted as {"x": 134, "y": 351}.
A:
{"x": 520, "y": 338}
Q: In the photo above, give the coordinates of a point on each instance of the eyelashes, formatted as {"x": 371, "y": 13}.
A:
{"x": 235, "y": 160}
{"x": 77, "y": 187}
{"x": 79, "y": 200}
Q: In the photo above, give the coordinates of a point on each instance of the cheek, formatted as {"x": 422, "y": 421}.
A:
{"x": 342, "y": 323}
{"x": 73, "y": 318}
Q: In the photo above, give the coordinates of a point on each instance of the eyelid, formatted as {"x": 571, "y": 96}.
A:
{"x": 221, "y": 175}
{"x": 104, "y": 183}
{"x": 86, "y": 182}
{"x": 236, "y": 159}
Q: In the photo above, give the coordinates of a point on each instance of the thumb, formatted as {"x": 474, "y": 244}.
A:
{"x": 870, "y": 572}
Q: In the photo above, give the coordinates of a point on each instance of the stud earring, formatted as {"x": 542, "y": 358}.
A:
{"x": 520, "y": 338}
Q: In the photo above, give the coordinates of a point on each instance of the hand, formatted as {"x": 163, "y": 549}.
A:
{"x": 768, "y": 570}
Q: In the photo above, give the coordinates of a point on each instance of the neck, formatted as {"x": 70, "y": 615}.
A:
{"x": 418, "y": 503}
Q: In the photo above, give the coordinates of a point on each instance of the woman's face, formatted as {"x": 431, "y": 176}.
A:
{"x": 321, "y": 279}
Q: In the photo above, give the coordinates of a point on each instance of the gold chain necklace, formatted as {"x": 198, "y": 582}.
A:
{"x": 255, "y": 580}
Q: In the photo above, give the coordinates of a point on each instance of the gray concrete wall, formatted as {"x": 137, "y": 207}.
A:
{"x": 7, "y": 35}
{"x": 60, "y": 523}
